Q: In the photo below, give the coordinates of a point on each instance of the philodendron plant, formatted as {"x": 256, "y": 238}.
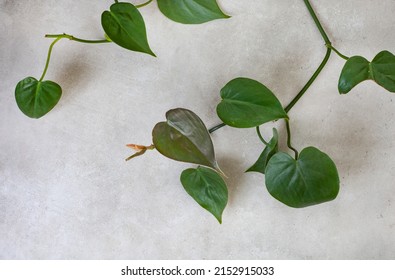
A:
{"x": 305, "y": 178}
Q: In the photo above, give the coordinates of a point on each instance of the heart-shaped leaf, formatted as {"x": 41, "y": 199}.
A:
{"x": 36, "y": 98}
{"x": 207, "y": 188}
{"x": 355, "y": 71}
{"x": 358, "y": 69}
{"x": 191, "y": 11}
{"x": 383, "y": 70}
{"x": 309, "y": 180}
{"x": 247, "y": 103}
{"x": 184, "y": 137}
{"x": 125, "y": 26}
{"x": 270, "y": 150}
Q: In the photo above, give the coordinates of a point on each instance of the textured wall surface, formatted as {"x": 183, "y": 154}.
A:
{"x": 67, "y": 193}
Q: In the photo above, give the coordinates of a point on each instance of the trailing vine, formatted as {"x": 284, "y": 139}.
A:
{"x": 307, "y": 177}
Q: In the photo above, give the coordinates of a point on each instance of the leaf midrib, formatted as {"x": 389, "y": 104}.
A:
{"x": 119, "y": 23}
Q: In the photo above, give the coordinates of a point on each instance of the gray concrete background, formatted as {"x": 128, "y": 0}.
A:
{"x": 66, "y": 191}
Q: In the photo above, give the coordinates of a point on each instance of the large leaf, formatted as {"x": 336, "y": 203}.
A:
{"x": 309, "y": 180}
{"x": 125, "y": 26}
{"x": 270, "y": 150}
{"x": 207, "y": 188}
{"x": 184, "y": 137}
{"x": 191, "y": 11}
{"x": 37, "y": 98}
{"x": 247, "y": 103}
{"x": 358, "y": 69}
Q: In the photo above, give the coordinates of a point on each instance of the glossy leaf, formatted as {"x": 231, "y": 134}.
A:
{"x": 125, "y": 26}
{"x": 35, "y": 98}
{"x": 309, "y": 180}
{"x": 247, "y": 103}
{"x": 191, "y": 11}
{"x": 357, "y": 69}
{"x": 184, "y": 137}
{"x": 270, "y": 150}
{"x": 383, "y": 70}
{"x": 207, "y": 188}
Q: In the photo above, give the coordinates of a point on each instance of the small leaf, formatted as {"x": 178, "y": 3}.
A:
{"x": 191, "y": 11}
{"x": 270, "y": 150}
{"x": 184, "y": 137}
{"x": 125, "y": 26}
{"x": 247, "y": 103}
{"x": 309, "y": 180}
{"x": 383, "y": 70}
{"x": 207, "y": 188}
{"x": 355, "y": 71}
{"x": 37, "y": 98}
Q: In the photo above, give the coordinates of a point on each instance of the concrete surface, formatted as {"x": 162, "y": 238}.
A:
{"x": 67, "y": 193}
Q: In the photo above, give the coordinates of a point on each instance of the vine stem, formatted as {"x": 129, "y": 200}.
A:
{"x": 258, "y": 131}
{"x": 58, "y": 37}
{"x": 72, "y": 38}
{"x": 310, "y": 82}
{"x": 337, "y": 52}
{"x": 215, "y": 128}
{"x": 317, "y": 22}
{"x": 144, "y": 4}
{"x": 48, "y": 58}
{"x": 289, "y": 139}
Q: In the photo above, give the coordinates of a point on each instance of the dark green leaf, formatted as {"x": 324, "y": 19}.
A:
{"x": 270, "y": 150}
{"x": 191, "y": 11}
{"x": 207, "y": 188}
{"x": 309, "y": 180}
{"x": 383, "y": 70}
{"x": 125, "y": 26}
{"x": 355, "y": 71}
{"x": 184, "y": 137}
{"x": 247, "y": 103}
{"x": 35, "y": 98}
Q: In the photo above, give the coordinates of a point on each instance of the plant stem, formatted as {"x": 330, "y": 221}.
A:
{"x": 72, "y": 38}
{"x": 144, "y": 4}
{"x": 289, "y": 139}
{"x": 211, "y": 130}
{"x": 58, "y": 37}
{"x": 310, "y": 82}
{"x": 317, "y": 22}
{"x": 48, "y": 58}
{"x": 258, "y": 131}
{"x": 337, "y": 52}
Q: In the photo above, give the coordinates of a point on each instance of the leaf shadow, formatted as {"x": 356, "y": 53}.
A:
{"x": 72, "y": 76}
{"x": 232, "y": 167}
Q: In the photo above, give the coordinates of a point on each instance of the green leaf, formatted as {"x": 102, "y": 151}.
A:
{"x": 191, "y": 11}
{"x": 184, "y": 137}
{"x": 37, "y": 98}
{"x": 357, "y": 69}
{"x": 383, "y": 70}
{"x": 125, "y": 26}
{"x": 309, "y": 180}
{"x": 270, "y": 150}
{"x": 247, "y": 103}
{"x": 207, "y": 188}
